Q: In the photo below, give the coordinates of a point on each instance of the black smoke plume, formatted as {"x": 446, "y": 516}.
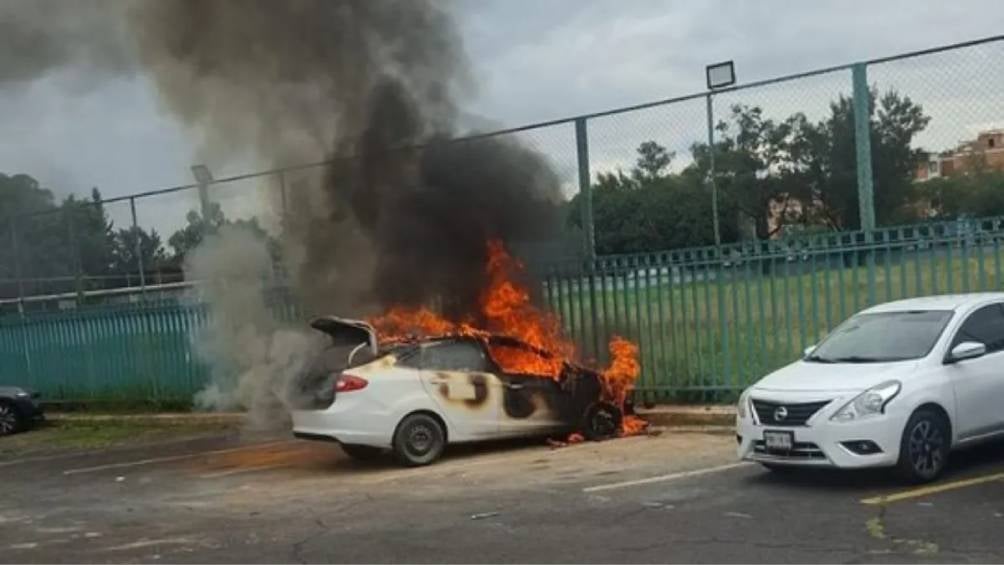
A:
{"x": 403, "y": 215}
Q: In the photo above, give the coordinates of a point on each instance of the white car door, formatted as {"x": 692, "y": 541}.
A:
{"x": 455, "y": 374}
{"x": 979, "y": 383}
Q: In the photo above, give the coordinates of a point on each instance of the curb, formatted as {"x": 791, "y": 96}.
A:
{"x": 677, "y": 416}
{"x": 660, "y": 416}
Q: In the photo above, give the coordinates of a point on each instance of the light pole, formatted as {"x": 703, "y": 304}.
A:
{"x": 719, "y": 75}
{"x": 204, "y": 177}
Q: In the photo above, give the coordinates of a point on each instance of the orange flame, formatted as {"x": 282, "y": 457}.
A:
{"x": 506, "y": 310}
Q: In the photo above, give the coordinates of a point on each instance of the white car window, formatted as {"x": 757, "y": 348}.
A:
{"x": 454, "y": 356}
{"x": 985, "y": 326}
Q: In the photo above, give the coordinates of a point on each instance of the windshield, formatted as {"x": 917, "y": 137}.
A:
{"x": 881, "y": 337}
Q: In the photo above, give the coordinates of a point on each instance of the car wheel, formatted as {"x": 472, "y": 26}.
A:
{"x": 601, "y": 421}
{"x": 923, "y": 451}
{"x": 419, "y": 440}
{"x": 11, "y": 420}
{"x": 362, "y": 452}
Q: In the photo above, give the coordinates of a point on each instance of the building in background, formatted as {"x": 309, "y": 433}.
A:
{"x": 986, "y": 152}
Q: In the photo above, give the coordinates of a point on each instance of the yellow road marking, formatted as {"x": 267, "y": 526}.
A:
{"x": 934, "y": 489}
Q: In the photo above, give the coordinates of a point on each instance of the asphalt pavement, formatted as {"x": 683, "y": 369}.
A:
{"x": 676, "y": 497}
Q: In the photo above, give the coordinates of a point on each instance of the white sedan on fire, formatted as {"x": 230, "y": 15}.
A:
{"x": 414, "y": 397}
{"x": 897, "y": 385}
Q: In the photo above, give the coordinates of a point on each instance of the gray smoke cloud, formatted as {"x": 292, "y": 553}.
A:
{"x": 252, "y": 356}
{"x": 39, "y": 37}
{"x": 400, "y": 217}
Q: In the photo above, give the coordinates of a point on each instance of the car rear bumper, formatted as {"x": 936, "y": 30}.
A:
{"x": 345, "y": 421}
{"x": 825, "y": 443}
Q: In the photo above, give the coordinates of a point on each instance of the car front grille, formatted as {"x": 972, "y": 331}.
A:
{"x": 800, "y": 451}
{"x": 796, "y": 413}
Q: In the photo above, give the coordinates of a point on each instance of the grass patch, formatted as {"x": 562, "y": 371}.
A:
{"x": 81, "y": 434}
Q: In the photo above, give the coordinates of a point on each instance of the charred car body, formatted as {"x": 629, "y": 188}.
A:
{"x": 414, "y": 396}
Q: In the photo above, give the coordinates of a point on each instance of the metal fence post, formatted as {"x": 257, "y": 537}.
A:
{"x": 282, "y": 196}
{"x": 15, "y": 248}
{"x": 78, "y": 275}
{"x": 711, "y": 171}
{"x": 139, "y": 249}
{"x": 863, "y": 147}
{"x": 586, "y": 188}
{"x": 585, "y": 185}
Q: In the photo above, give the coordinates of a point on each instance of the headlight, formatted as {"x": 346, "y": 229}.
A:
{"x": 742, "y": 407}
{"x": 22, "y": 394}
{"x": 871, "y": 402}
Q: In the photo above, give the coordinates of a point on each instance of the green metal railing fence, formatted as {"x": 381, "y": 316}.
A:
{"x": 117, "y": 354}
{"x": 709, "y": 320}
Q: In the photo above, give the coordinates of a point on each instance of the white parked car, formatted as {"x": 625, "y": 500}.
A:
{"x": 413, "y": 398}
{"x": 900, "y": 385}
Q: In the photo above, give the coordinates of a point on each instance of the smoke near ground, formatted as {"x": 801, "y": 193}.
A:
{"x": 251, "y": 355}
{"x": 401, "y": 217}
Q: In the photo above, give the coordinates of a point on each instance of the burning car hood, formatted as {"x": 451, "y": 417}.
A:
{"x": 345, "y": 331}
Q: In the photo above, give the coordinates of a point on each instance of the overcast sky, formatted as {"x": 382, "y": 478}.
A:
{"x": 538, "y": 60}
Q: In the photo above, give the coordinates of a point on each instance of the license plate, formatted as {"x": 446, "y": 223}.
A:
{"x": 778, "y": 441}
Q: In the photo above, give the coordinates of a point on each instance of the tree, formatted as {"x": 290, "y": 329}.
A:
{"x": 754, "y": 169}
{"x": 825, "y": 158}
{"x": 648, "y": 208}
{"x": 653, "y": 160}
{"x": 22, "y": 194}
{"x": 89, "y": 236}
{"x": 126, "y": 260}
{"x": 189, "y": 237}
{"x": 974, "y": 195}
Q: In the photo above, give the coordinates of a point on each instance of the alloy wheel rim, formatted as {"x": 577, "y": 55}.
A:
{"x": 7, "y": 420}
{"x": 926, "y": 448}
{"x": 420, "y": 440}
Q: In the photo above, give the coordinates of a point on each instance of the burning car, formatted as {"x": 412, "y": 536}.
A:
{"x": 415, "y": 380}
{"x": 413, "y": 396}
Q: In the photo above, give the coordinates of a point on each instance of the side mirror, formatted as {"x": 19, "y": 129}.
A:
{"x": 967, "y": 350}
{"x": 808, "y": 351}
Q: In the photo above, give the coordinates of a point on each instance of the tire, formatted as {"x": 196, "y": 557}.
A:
{"x": 362, "y": 452}
{"x": 924, "y": 448}
{"x": 11, "y": 420}
{"x": 601, "y": 421}
{"x": 418, "y": 440}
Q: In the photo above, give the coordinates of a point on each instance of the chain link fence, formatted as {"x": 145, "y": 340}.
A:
{"x": 793, "y": 251}
{"x": 132, "y": 248}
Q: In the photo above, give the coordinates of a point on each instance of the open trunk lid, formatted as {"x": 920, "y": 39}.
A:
{"x": 345, "y": 331}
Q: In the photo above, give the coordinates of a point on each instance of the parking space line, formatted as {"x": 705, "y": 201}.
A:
{"x": 238, "y": 471}
{"x": 669, "y": 477}
{"x": 934, "y": 489}
{"x": 170, "y": 458}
